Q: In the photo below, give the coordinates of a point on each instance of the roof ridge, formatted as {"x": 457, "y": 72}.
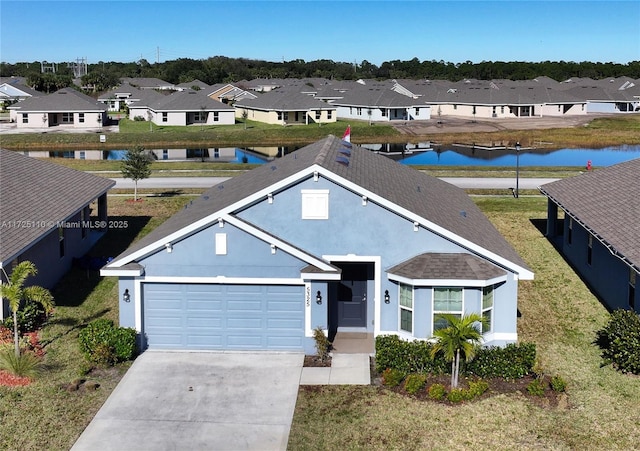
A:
{"x": 324, "y": 151}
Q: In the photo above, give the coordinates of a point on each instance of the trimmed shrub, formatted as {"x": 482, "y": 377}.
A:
{"x": 511, "y": 362}
{"x": 414, "y": 383}
{"x": 437, "y": 392}
{"x": 30, "y": 317}
{"x": 619, "y": 341}
{"x": 558, "y": 384}
{"x": 457, "y": 395}
{"x": 104, "y": 344}
{"x": 536, "y": 387}
{"x": 477, "y": 388}
{"x": 392, "y": 377}
{"x": 408, "y": 356}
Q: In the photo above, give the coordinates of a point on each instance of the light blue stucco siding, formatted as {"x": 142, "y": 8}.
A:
{"x": 370, "y": 230}
{"x": 246, "y": 256}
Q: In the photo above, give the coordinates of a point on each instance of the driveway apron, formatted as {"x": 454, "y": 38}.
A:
{"x": 199, "y": 401}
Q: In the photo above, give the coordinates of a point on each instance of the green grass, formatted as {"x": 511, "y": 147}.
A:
{"x": 599, "y": 133}
{"x": 559, "y": 314}
{"x": 44, "y": 415}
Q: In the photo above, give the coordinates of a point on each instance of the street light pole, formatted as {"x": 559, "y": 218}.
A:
{"x": 517, "y": 169}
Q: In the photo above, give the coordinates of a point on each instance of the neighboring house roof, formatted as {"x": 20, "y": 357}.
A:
{"x": 124, "y": 91}
{"x": 437, "y": 205}
{"x": 377, "y": 95}
{"x": 188, "y": 101}
{"x": 64, "y": 100}
{"x": 191, "y": 84}
{"x": 605, "y": 202}
{"x": 148, "y": 83}
{"x": 17, "y": 91}
{"x": 277, "y": 100}
{"x": 35, "y": 195}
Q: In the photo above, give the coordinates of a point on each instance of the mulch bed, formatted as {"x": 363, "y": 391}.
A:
{"x": 497, "y": 386}
{"x": 9, "y": 380}
{"x": 314, "y": 361}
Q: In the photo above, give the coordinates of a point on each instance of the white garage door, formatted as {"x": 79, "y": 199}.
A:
{"x": 243, "y": 317}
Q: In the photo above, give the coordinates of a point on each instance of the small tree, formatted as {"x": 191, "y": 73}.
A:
{"x": 461, "y": 336}
{"x": 16, "y": 293}
{"x": 245, "y": 115}
{"x": 136, "y": 167}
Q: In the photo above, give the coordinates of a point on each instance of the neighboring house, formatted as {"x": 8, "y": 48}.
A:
{"x": 13, "y": 91}
{"x": 49, "y": 214}
{"x": 118, "y": 98}
{"x": 183, "y": 108}
{"x": 195, "y": 85}
{"x": 64, "y": 108}
{"x": 285, "y": 108}
{"x": 149, "y": 83}
{"x": 599, "y": 230}
{"x": 331, "y": 235}
{"x": 229, "y": 94}
{"x": 379, "y": 102}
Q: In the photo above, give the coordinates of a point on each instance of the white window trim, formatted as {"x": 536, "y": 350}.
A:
{"x": 435, "y": 312}
{"x": 401, "y": 331}
{"x": 489, "y": 309}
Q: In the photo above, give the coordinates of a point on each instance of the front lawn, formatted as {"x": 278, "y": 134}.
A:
{"x": 49, "y": 414}
{"x": 559, "y": 314}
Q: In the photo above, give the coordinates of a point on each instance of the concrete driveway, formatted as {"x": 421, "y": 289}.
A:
{"x": 199, "y": 401}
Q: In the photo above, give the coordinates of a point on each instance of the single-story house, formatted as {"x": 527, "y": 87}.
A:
{"x": 285, "y": 108}
{"x": 229, "y": 94}
{"x": 599, "y": 230}
{"x": 49, "y": 215}
{"x": 331, "y": 236}
{"x": 64, "y": 108}
{"x": 149, "y": 83}
{"x": 14, "y": 90}
{"x": 379, "y": 102}
{"x": 183, "y": 108}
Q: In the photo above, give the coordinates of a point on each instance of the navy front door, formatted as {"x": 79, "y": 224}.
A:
{"x": 352, "y": 303}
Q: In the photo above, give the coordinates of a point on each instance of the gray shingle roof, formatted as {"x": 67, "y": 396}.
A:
{"x": 428, "y": 197}
{"x": 64, "y": 100}
{"x": 606, "y": 202}
{"x": 284, "y": 101}
{"x": 33, "y": 191}
{"x": 188, "y": 101}
{"x": 447, "y": 267}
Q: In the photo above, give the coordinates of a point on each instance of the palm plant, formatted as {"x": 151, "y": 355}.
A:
{"x": 15, "y": 292}
{"x": 462, "y": 336}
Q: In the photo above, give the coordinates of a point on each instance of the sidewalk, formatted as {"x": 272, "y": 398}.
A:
{"x": 346, "y": 369}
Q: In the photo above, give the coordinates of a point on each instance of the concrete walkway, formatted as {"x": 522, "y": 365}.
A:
{"x": 346, "y": 369}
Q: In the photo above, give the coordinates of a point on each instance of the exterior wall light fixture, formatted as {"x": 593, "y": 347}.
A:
{"x": 126, "y": 297}
{"x": 387, "y": 298}
{"x": 318, "y": 298}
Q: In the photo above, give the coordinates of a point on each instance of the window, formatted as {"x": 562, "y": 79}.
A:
{"x": 455, "y": 107}
{"x": 165, "y": 117}
{"x": 632, "y": 289}
{"x": 329, "y": 114}
{"x": 61, "y": 241}
{"x": 570, "y": 231}
{"x": 384, "y": 112}
{"x": 417, "y": 111}
{"x": 67, "y": 118}
{"x": 446, "y": 300}
{"x": 487, "y": 309}
{"x": 590, "y": 250}
{"x": 350, "y": 110}
{"x": 279, "y": 115}
{"x": 318, "y": 114}
{"x": 165, "y": 154}
{"x": 315, "y": 204}
{"x": 216, "y": 116}
{"x": 359, "y": 111}
{"x": 406, "y": 308}
{"x": 25, "y": 118}
{"x": 199, "y": 116}
{"x": 286, "y": 115}
{"x": 81, "y": 117}
{"x": 502, "y": 110}
{"x": 83, "y": 155}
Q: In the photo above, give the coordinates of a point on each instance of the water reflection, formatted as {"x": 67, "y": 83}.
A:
{"x": 409, "y": 154}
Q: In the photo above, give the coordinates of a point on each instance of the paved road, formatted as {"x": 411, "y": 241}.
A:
{"x": 207, "y": 182}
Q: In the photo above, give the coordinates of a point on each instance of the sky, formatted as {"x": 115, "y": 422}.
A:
{"x": 342, "y": 31}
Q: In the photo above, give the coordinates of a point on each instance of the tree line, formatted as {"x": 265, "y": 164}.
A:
{"x": 220, "y": 69}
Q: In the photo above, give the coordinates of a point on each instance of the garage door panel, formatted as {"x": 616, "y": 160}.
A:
{"x": 203, "y": 316}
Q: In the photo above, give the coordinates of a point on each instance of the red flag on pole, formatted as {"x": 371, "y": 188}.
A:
{"x": 347, "y": 134}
